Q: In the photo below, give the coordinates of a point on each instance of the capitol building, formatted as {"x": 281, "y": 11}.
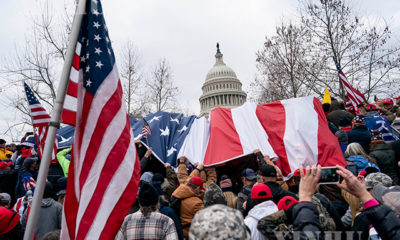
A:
{"x": 222, "y": 88}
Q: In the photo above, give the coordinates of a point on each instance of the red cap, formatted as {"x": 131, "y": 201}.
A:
{"x": 398, "y": 97}
{"x": 388, "y": 101}
{"x": 286, "y": 202}
{"x": 362, "y": 173}
{"x": 8, "y": 220}
{"x": 26, "y": 153}
{"x": 297, "y": 173}
{"x": 198, "y": 181}
{"x": 4, "y": 165}
{"x": 260, "y": 191}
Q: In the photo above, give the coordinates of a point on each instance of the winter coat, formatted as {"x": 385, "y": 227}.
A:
{"x": 8, "y": 181}
{"x": 3, "y": 154}
{"x": 335, "y": 116}
{"x": 278, "y": 222}
{"x": 168, "y": 211}
{"x": 63, "y": 161}
{"x": 383, "y": 220}
{"x": 190, "y": 204}
{"x": 361, "y": 135}
{"x": 278, "y": 192}
{"x": 49, "y": 217}
{"x": 209, "y": 175}
{"x": 386, "y": 160}
{"x": 255, "y": 214}
{"x": 361, "y": 162}
{"x": 242, "y": 197}
{"x": 305, "y": 219}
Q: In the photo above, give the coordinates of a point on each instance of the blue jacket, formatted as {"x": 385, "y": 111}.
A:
{"x": 361, "y": 162}
{"x": 361, "y": 135}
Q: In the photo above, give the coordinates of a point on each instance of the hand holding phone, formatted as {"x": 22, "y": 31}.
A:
{"x": 329, "y": 175}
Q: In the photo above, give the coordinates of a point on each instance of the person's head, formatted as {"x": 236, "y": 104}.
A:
{"x": 355, "y": 149}
{"x": 268, "y": 173}
{"x": 48, "y": 190}
{"x": 344, "y": 122}
{"x": 53, "y": 235}
{"x": 249, "y": 176}
{"x": 213, "y": 195}
{"x": 2, "y": 143}
{"x": 286, "y": 202}
{"x": 225, "y": 183}
{"x": 358, "y": 121}
{"x": 376, "y": 178}
{"x": 218, "y": 222}
{"x": 196, "y": 184}
{"x": 326, "y": 107}
{"x": 5, "y": 200}
{"x": 30, "y": 163}
{"x": 148, "y": 198}
{"x": 397, "y": 100}
{"x": 260, "y": 193}
{"x": 146, "y": 177}
{"x": 388, "y": 103}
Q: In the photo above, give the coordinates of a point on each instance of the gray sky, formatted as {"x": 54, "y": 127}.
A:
{"x": 185, "y": 32}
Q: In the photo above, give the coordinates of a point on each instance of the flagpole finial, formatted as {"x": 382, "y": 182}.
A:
{"x": 218, "y": 51}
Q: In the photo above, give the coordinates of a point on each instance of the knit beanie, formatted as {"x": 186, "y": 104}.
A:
{"x": 225, "y": 183}
{"x": 148, "y": 195}
{"x": 214, "y": 195}
{"x": 8, "y": 220}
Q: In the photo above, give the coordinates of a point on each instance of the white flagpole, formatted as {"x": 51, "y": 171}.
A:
{"x": 54, "y": 123}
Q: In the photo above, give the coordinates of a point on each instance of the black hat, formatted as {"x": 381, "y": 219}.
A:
{"x": 267, "y": 171}
{"x": 158, "y": 177}
{"x": 249, "y": 174}
{"x": 344, "y": 122}
{"x": 148, "y": 195}
{"x": 2, "y": 141}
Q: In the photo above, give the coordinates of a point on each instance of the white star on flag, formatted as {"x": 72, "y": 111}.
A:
{"x": 171, "y": 151}
{"x": 174, "y": 120}
{"x": 164, "y": 132}
{"x": 97, "y": 38}
{"x": 155, "y": 118}
{"x": 97, "y": 50}
{"x": 184, "y": 128}
{"x": 99, "y": 64}
{"x": 88, "y": 83}
{"x": 96, "y": 25}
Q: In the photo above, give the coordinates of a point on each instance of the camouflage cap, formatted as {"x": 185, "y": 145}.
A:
{"x": 214, "y": 195}
{"x": 376, "y": 178}
{"x": 218, "y": 222}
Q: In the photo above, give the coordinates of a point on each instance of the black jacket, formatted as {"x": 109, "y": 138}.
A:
{"x": 384, "y": 221}
{"x": 306, "y": 221}
{"x": 278, "y": 192}
{"x": 361, "y": 135}
{"x": 386, "y": 161}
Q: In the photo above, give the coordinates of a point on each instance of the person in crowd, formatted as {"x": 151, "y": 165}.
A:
{"x": 190, "y": 200}
{"x": 218, "y": 222}
{"x": 10, "y": 226}
{"x": 268, "y": 176}
{"x": 226, "y": 186}
{"x": 266, "y": 160}
{"x": 158, "y": 183}
{"x": 53, "y": 235}
{"x": 213, "y": 195}
{"x": 279, "y": 223}
{"x": 396, "y": 107}
{"x": 62, "y": 186}
{"x": 355, "y": 155}
{"x": 22, "y": 203}
{"x": 262, "y": 205}
{"x": 344, "y": 126}
{"x": 145, "y": 160}
{"x": 360, "y": 133}
{"x": 249, "y": 178}
{"x": 5, "y": 200}
{"x": 384, "y": 156}
{"x": 4, "y": 153}
{"x": 386, "y": 110}
{"x": 8, "y": 178}
{"x": 170, "y": 182}
{"x": 17, "y": 154}
{"x": 147, "y": 223}
{"x": 337, "y": 113}
{"x": 28, "y": 171}
{"x": 50, "y": 213}
{"x": 208, "y": 174}
{"x": 64, "y": 158}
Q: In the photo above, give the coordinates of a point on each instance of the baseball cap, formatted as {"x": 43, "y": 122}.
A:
{"x": 249, "y": 174}
{"x": 4, "y": 165}
{"x": 391, "y": 197}
{"x": 260, "y": 191}
{"x": 198, "y": 181}
{"x": 398, "y": 97}
{"x": 388, "y": 101}
{"x": 267, "y": 171}
{"x": 297, "y": 173}
{"x": 5, "y": 197}
{"x": 376, "y": 178}
{"x": 286, "y": 202}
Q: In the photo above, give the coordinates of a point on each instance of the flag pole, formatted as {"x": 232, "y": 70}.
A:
{"x": 54, "y": 123}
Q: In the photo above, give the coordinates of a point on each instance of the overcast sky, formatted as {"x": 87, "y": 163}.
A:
{"x": 185, "y": 32}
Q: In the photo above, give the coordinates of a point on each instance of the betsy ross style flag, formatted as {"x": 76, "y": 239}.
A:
{"x": 354, "y": 95}
{"x": 40, "y": 121}
{"x": 104, "y": 172}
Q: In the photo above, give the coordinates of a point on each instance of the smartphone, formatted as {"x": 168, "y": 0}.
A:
{"x": 329, "y": 175}
{"x": 353, "y": 169}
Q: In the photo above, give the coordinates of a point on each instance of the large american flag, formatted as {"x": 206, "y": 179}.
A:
{"x": 353, "y": 94}
{"x": 104, "y": 171}
{"x": 40, "y": 120}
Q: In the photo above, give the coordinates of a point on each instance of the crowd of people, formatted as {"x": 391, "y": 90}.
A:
{"x": 247, "y": 199}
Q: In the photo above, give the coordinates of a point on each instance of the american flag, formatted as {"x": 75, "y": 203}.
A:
{"x": 146, "y": 129}
{"x": 40, "y": 121}
{"x": 104, "y": 172}
{"x": 354, "y": 95}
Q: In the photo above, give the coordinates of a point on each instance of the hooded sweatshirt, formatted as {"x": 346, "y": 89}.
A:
{"x": 255, "y": 214}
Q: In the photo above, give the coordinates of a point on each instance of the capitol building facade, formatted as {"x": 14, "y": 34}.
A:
{"x": 222, "y": 88}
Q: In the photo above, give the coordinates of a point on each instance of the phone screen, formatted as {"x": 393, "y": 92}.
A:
{"x": 329, "y": 175}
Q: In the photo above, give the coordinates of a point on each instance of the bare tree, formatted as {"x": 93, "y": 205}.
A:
{"x": 133, "y": 81}
{"x": 161, "y": 91}
{"x": 280, "y": 64}
{"x": 362, "y": 49}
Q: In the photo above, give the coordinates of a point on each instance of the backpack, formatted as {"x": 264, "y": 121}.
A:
{"x": 176, "y": 205}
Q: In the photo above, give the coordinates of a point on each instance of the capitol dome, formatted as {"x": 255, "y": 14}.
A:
{"x": 222, "y": 88}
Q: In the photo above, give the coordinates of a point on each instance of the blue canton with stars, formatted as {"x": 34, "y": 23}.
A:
{"x": 30, "y": 96}
{"x": 97, "y": 57}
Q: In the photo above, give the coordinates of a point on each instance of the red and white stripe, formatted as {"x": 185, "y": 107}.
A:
{"x": 19, "y": 205}
{"x": 354, "y": 95}
{"x": 39, "y": 115}
{"x": 68, "y": 115}
{"x": 105, "y": 169}
{"x": 295, "y": 131}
